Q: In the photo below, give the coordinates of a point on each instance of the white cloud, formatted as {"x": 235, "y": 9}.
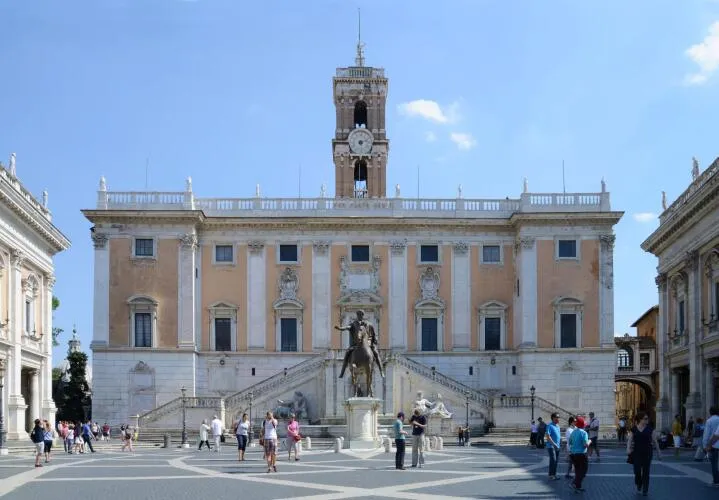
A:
{"x": 463, "y": 140}
{"x": 645, "y": 217}
{"x": 430, "y": 110}
{"x": 706, "y": 55}
{"x": 430, "y": 136}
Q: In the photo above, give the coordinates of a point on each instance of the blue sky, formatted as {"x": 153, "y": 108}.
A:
{"x": 482, "y": 93}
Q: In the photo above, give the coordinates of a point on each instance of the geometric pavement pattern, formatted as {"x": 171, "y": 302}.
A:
{"x": 478, "y": 472}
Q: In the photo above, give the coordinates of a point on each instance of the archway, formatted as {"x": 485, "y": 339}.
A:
{"x": 634, "y": 395}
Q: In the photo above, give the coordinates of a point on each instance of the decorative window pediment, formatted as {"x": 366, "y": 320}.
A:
{"x": 359, "y": 278}
{"x": 223, "y": 324}
{"x": 493, "y": 326}
{"x": 493, "y": 305}
{"x": 288, "y": 284}
{"x": 31, "y": 285}
{"x": 429, "y": 284}
{"x": 568, "y": 313}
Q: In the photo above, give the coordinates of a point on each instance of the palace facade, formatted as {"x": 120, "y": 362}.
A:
{"x": 28, "y": 242}
{"x": 687, "y": 246}
{"x": 235, "y": 299}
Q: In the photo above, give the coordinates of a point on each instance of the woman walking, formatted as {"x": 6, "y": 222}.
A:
{"x": 269, "y": 433}
{"x": 204, "y": 429}
{"x": 48, "y": 437}
{"x": 293, "y": 439}
{"x": 242, "y": 431}
{"x": 640, "y": 448}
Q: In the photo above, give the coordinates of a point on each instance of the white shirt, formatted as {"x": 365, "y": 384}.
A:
{"x": 711, "y": 428}
{"x": 567, "y": 434}
{"x": 270, "y": 429}
{"x": 243, "y": 428}
{"x": 216, "y": 427}
{"x": 203, "y": 432}
{"x": 593, "y": 430}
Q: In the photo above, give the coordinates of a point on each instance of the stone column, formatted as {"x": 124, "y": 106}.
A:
{"x": 15, "y": 423}
{"x": 256, "y": 295}
{"x": 663, "y": 409}
{"x": 527, "y": 263}
{"x": 709, "y": 369}
{"x": 461, "y": 297}
{"x": 398, "y": 295}
{"x": 48, "y": 404}
{"x": 34, "y": 394}
{"x": 186, "y": 283}
{"x": 606, "y": 294}
{"x": 101, "y": 292}
{"x": 694, "y": 326}
{"x": 676, "y": 403}
{"x": 321, "y": 295}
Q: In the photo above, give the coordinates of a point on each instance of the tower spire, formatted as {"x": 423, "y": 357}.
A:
{"x": 359, "y": 59}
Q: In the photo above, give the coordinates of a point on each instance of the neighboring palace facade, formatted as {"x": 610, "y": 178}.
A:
{"x": 687, "y": 245}
{"x": 474, "y": 300}
{"x": 28, "y": 242}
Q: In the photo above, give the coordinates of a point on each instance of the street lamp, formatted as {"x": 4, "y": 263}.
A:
{"x": 3, "y": 450}
{"x": 466, "y": 439}
{"x": 531, "y": 390}
{"x": 252, "y": 395}
{"x": 185, "y": 444}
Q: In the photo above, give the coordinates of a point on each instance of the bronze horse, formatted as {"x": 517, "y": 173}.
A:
{"x": 361, "y": 360}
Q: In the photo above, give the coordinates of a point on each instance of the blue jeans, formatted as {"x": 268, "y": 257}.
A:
{"x": 714, "y": 458}
{"x": 553, "y": 460}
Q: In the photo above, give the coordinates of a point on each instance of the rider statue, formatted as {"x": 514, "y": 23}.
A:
{"x": 357, "y": 325}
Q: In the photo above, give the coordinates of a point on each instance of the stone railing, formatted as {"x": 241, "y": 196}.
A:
{"x": 176, "y": 405}
{"x": 474, "y": 395}
{"x": 14, "y": 182}
{"x": 346, "y": 207}
{"x": 360, "y": 72}
{"x": 275, "y": 382}
{"x": 539, "y": 404}
{"x": 704, "y": 178}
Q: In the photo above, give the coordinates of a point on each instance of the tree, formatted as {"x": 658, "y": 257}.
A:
{"x": 75, "y": 395}
{"x": 55, "y": 330}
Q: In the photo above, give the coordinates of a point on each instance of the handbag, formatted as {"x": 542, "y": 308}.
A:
{"x": 630, "y": 458}
{"x": 222, "y": 438}
{"x": 298, "y": 437}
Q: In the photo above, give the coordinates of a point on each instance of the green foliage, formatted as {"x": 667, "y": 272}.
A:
{"x": 56, "y": 332}
{"x": 56, "y": 374}
{"x": 75, "y": 393}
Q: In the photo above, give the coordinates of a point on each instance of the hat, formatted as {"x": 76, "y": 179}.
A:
{"x": 400, "y": 414}
{"x": 579, "y": 423}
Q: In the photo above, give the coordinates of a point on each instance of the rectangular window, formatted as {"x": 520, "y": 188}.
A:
{"x": 644, "y": 361}
{"x": 490, "y": 254}
{"x": 492, "y": 334}
{"x": 223, "y": 253}
{"x": 568, "y": 330}
{"x": 567, "y": 249}
{"x": 28, "y": 316}
{"x": 288, "y": 253}
{"x": 143, "y": 330}
{"x": 360, "y": 253}
{"x": 681, "y": 316}
{"x": 288, "y": 334}
{"x": 429, "y": 253}
{"x": 144, "y": 247}
{"x": 223, "y": 334}
{"x": 429, "y": 334}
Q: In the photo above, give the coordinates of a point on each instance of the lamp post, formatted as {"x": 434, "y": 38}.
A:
{"x": 466, "y": 439}
{"x": 3, "y": 450}
{"x": 531, "y": 390}
{"x": 252, "y": 395}
{"x": 185, "y": 444}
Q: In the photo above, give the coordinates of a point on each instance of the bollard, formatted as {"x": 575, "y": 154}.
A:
{"x": 166, "y": 441}
{"x": 440, "y": 443}
{"x": 338, "y": 445}
{"x": 433, "y": 443}
{"x": 387, "y": 445}
{"x": 308, "y": 443}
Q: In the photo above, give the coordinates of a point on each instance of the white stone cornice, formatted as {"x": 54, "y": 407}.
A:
{"x": 99, "y": 240}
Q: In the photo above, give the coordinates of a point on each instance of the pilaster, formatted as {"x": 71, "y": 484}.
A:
{"x": 527, "y": 249}
{"x": 461, "y": 297}
{"x": 15, "y": 418}
{"x": 101, "y": 291}
{"x": 398, "y": 295}
{"x": 256, "y": 295}
{"x": 694, "y": 325}
{"x": 663, "y": 409}
{"x": 606, "y": 291}
{"x": 186, "y": 291}
{"x": 48, "y": 404}
{"x": 321, "y": 288}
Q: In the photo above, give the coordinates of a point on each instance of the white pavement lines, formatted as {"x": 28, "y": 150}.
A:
{"x": 11, "y": 483}
{"x": 704, "y": 477}
{"x": 116, "y": 478}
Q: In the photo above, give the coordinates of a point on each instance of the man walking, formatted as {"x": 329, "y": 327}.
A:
{"x": 553, "y": 443}
{"x": 710, "y": 440}
{"x": 38, "y": 438}
{"x": 419, "y": 423}
{"x": 593, "y": 432}
{"x": 217, "y": 429}
{"x": 86, "y": 437}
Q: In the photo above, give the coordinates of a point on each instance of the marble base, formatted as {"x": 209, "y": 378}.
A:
{"x": 438, "y": 426}
{"x": 361, "y": 417}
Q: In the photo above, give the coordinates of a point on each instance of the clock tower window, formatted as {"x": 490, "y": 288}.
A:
{"x": 360, "y": 178}
{"x": 360, "y": 114}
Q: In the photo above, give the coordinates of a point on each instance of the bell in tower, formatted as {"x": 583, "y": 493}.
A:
{"x": 360, "y": 145}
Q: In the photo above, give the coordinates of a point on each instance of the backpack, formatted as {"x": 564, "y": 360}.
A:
{"x": 37, "y": 435}
{"x": 698, "y": 430}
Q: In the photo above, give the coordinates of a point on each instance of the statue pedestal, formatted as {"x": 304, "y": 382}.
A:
{"x": 361, "y": 417}
{"x": 438, "y": 426}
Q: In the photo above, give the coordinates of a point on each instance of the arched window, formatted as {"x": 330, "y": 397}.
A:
{"x": 31, "y": 289}
{"x": 360, "y": 114}
{"x": 624, "y": 359}
{"x": 360, "y": 178}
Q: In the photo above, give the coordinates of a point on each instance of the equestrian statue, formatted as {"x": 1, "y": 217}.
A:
{"x": 362, "y": 352}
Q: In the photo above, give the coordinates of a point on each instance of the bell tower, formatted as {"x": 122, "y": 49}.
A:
{"x": 360, "y": 145}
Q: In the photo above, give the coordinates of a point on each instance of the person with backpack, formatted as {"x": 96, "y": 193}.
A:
{"x": 37, "y": 435}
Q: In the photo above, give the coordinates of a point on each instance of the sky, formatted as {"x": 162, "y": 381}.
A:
{"x": 482, "y": 93}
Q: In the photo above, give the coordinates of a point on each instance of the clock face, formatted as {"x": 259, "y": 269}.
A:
{"x": 360, "y": 140}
